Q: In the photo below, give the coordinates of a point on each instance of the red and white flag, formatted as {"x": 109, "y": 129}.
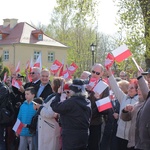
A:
{"x": 109, "y": 61}
{"x": 100, "y": 87}
{"x": 93, "y": 82}
{"x": 103, "y": 104}
{"x": 27, "y": 65}
{"x": 38, "y": 62}
{"x": 18, "y": 126}
{"x": 72, "y": 68}
{"x": 18, "y": 67}
{"x": 121, "y": 53}
{"x": 5, "y": 77}
{"x": 16, "y": 83}
{"x": 55, "y": 66}
{"x": 66, "y": 74}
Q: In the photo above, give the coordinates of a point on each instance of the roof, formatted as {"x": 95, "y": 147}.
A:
{"x": 23, "y": 33}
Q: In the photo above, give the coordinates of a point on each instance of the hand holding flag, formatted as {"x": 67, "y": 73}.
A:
{"x": 18, "y": 126}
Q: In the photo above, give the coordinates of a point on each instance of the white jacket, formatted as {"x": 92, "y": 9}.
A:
{"x": 48, "y": 129}
{"x": 123, "y": 126}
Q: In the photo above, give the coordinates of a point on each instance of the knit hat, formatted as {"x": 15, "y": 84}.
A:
{"x": 38, "y": 100}
{"x": 77, "y": 85}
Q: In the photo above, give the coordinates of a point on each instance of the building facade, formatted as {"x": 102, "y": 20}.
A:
{"x": 21, "y": 42}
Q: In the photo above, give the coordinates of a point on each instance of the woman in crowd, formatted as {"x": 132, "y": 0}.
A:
{"x": 130, "y": 98}
{"x": 75, "y": 115}
{"x": 48, "y": 126}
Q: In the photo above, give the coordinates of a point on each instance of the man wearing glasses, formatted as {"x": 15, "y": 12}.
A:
{"x": 96, "y": 120}
{"x": 35, "y": 77}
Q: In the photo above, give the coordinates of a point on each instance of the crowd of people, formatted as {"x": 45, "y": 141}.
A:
{"x": 62, "y": 114}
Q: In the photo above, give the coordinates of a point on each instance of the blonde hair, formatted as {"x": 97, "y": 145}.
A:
{"x": 124, "y": 84}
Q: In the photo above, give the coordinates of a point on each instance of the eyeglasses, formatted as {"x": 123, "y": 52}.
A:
{"x": 32, "y": 72}
{"x": 67, "y": 92}
{"x": 94, "y": 72}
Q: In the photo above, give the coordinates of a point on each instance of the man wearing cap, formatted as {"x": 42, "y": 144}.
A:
{"x": 97, "y": 120}
{"x": 75, "y": 115}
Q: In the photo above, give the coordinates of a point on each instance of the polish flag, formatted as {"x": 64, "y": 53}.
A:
{"x": 109, "y": 61}
{"x": 18, "y": 67}
{"x": 100, "y": 87}
{"x": 18, "y": 126}
{"x": 16, "y": 83}
{"x": 72, "y": 68}
{"x": 38, "y": 62}
{"x": 93, "y": 82}
{"x": 121, "y": 53}
{"x": 5, "y": 77}
{"x": 27, "y": 65}
{"x": 55, "y": 66}
{"x": 103, "y": 104}
{"x": 66, "y": 74}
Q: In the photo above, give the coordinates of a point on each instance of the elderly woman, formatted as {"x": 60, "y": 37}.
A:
{"x": 75, "y": 114}
{"x": 130, "y": 98}
{"x": 48, "y": 127}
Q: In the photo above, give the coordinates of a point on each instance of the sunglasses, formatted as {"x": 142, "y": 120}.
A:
{"x": 67, "y": 92}
{"x": 94, "y": 72}
{"x": 32, "y": 72}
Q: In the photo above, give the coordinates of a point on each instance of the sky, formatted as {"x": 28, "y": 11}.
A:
{"x": 39, "y": 11}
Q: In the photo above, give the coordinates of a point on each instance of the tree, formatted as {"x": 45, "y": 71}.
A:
{"x": 134, "y": 23}
{"x": 72, "y": 23}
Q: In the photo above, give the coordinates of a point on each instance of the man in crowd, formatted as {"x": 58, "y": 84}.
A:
{"x": 96, "y": 120}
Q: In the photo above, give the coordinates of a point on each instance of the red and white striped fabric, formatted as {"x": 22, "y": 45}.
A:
{"x": 103, "y": 104}
{"x": 16, "y": 83}
{"x": 55, "y": 66}
{"x": 18, "y": 126}
{"x": 121, "y": 53}
{"x": 18, "y": 67}
{"x": 38, "y": 62}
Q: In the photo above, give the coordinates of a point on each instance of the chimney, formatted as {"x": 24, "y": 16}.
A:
{"x": 6, "y": 22}
{"x": 13, "y": 23}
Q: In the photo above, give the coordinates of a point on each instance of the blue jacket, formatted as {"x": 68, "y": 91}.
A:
{"x": 25, "y": 115}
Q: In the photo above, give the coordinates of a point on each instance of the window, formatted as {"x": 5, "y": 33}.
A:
{"x": 40, "y": 37}
{"x": 36, "y": 55}
{"x": 51, "y": 56}
{"x": 0, "y": 36}
{"x": 6, "y": 55}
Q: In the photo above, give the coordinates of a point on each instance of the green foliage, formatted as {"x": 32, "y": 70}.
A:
{"x": 134, "y": 20}
{"x": 5, "y": 69}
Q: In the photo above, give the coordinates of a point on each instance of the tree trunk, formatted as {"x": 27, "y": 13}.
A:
{"x": 145, "y": 6}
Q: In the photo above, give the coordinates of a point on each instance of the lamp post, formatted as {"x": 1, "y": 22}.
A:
{"x": 92, "y": 50}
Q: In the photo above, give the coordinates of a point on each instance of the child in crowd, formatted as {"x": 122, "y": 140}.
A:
{"x": 25, "y": 115}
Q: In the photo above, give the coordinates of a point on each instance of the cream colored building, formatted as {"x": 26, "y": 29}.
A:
{"x": 21, "y": 42}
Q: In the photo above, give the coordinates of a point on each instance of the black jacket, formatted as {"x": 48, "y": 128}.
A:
{"x": 75, "y": 115}
{"x": 46, "y": 92}
{"x": 4, "y": 92}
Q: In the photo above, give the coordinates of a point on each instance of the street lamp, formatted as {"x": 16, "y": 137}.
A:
{"x": 92, "y": 50}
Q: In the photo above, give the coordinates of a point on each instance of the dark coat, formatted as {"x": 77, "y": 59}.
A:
{"x": 29, "y": 84}
{"x": 47, "y": 91}
{"x": 96, "y": 115}
{"x": 3, "y": 92}
{"x": 75, "y": 114}
{"x": 142, "y": 134}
